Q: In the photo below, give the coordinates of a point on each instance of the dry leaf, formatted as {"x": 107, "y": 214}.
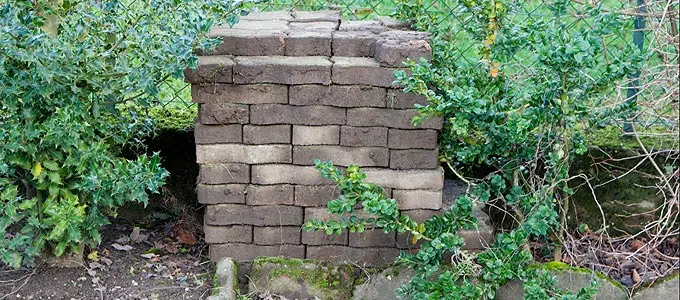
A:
{"x": 183, "y": 235}
{"x": 636, "y": 276}
{"x": 636, "y": 244}
{"x": 120, "y": 247}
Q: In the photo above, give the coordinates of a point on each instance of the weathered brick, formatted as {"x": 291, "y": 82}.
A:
{"x": 327, "y": 27}
{"x": 372, "y": 238}
{"x": 277, "y": 235}
{"x": 413, "y": 159}
{"x": 228, "y": 234}
{"x": 224, "y": 173}
{"x": 267, "y": 134}
{"x": 248, "y": 252}
{"x": 270, "y": 194}
{"x": 282, "y": 69}
{"x": 398, "y": 99}
{"x": 363, "y": 136}
{"x": 362, "y": 25}
{"x": 321, "y": 213}
{"x": 246, "y": 39}
{"x": 211, "y": 69}
{"x": 366, "y": 256}
{"x": 357, "y": 71}
{"x": 392, "y": 23}
{"x": 316, "y": 135}
{"x": 217, "y": 134}
{"x": 320, "y": 238}
{"x": 338, "y": 95}
{"x": 287, "y": 174}
{"x": 394, "y": 47}
{"x": 406, "y": 179}
{"x": 223, "y": 113}
{"x": 387, "y": 117}
{"x": 316, "y": 16}
{"x": 264, "y": 114}
{"x": 247, "y": 154}
{"x": 412, "y": 139}
{"x": 315, "y": 195}
{"x": 240, "y": 93}
{"x": 309, "y": 43}
{"x": 219, "y": 194}
{"x": 354, "y": 43}
{"x": 418, "y": 199}
{"x": 267, "y": 15}
{"x": 238, "y": 214}
{"x": 474, "y": 239}
{"x": 421, "y": 215}
{"x": 341, "y": 156}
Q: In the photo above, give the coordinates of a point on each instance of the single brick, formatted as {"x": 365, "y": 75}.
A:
{"x": 363, "y": 136}
{"x": 372, "y": 238}
{"x": 217, "y": 134}
{"x": 406, "y": 179}
{"x": 219, "y": 194}
{"x": 418, "y": 199}
{"x": 267, "y": 134}
{"x": 316, "y": 135}
{"x": 239, "y": 214}
{"x": 224, "y": 173}
{"x": 211, "y": 69}
{"x": 342, "y": 156}
{"x": 267, "y": 15}
{"x": 398, "y": 99}
{"x": 251, "y": 38}
{"x": 265, "y": 114}
{"x": 326, "y": 27}
{"x": 412, "y": 159}
{"x": 228, "y": 234}
{"x": 412, "y": 139}
{"x": 421, "y": 215}
{"x": 315, "y": 195}
{"x": 239, "y": 93}
{"x": 316, "y": 16}
{"x": 276, "y": 235}
{"x": 223, "y": 113}
{"x": 248, "y": 252}
{"x": 287, "y": 174}
{"x": 309, "y": 43}
{"x": 394, "y": 47}
{"x": 362, "y": 25}
{"x": 338, "y": 95}
{"x": 320, "y": 238}
{"x": 282, "y": 69}
{"x": 386, "y": 117}
{"x": 354, "y": 43}
{"x": 270, "y": 194}
{"x": 359, "y": 71}
{"x": 393, "y": 23}
{"x": 321, "y": 213}
{"x": 474, "y": 239}
{"x": 366, "y": 256}
{"x": 247, "y": 154}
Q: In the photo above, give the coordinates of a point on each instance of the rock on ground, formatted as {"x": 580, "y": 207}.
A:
{"x": 381, "y": 286}
{"x": 572, "y": 280}
{"x": 226, "y": 280}
{"x": 666, "y": 290}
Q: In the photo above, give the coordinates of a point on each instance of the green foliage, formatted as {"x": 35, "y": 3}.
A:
{"x": 74, "y": 77}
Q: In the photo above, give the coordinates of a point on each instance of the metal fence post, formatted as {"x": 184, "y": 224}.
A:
{"x": 639, "y": 41}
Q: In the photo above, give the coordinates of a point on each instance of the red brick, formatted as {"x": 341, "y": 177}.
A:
{"x": 282, "y": 70}
{"x": 397, "y": 99}
{"x": 359, "y": 71}
{"x": 287, "y": 174}
{"x": 239, "y": 93}
{"x": 224, "y": 173}
{"x": 277, "y": 235}
{"x": 268, "y": 134}
{"x": 412, "y": 139}
{"x": 316, "y": 135}
{"x": 418, "y": 199}
{"x": 414, "y": 159}
{"x": 265, "y": 114}
{"x": 211, "y": 69}
{"x": 320, "y": 238}
{"x": 316, "y": 195}
{"x": 341, "y": 156}
{"x": 218, "y": 194}
{"x": 247, "y": 154}
{"x": 364, "y": 256}
{"x": 237, "y": 214}
{"x": 228, "y": 234}
{"x": 223, "y": 113}
{"x": 338, "y": 95}
{"x": 269, "y": 194}
{"x": 217, "y": 134}
{"x": 363, "y": 136}
{"x": 248, "y": 252}
{"x": 406, "y": 179}
{"x": 372, "y": 238}
{"x": 386, "y": 117}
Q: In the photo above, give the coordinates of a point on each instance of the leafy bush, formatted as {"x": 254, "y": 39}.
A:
{"x": 74, "y": 76}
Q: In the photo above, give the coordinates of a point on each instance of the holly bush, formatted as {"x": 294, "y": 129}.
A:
{"x": 75, "y": 77}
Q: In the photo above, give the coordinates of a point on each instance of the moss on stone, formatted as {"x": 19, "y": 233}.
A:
{"x": 611, "y": 137}
{"x": 556, "y": 266}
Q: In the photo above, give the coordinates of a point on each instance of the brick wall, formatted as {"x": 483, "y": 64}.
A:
{"x": 284, "y": 89}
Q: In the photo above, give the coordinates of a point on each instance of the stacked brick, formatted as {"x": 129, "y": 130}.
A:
{"x": 286, "y": 88}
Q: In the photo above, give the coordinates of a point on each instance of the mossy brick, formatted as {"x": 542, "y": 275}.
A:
{"x": 371, "y": 257}
{"x": 413, "y": 159}
{"x": 239, "y": 214}
{"x": 359, "y": 71}
{"x": 338, "y": 95}
{"x": 245, "y": 38}
{"x": 372, "y": 238}
{"x": 362, "y": 25}
{"x": 246, "y": 154}
{"x": 266, "y": 114}
{"x": 276, "y": 235}
{"x": 363, "y": 136}
{"x": 308, "y": 43}
{"x": 316, "y": 135}
{"x": 286, "y": 174}
{"x": 316, "y": 16}
{"x": 211, "y": 69}
{"x": 315, "y": 195}
{"x": 266, "y": 134}
{"x": 220, "y": 194}
{"x": 224, "y": 173}
{"x": 228, "y": 234}
{"x": 321, "y": 238}
{"x": 248, "y": 252}
{"x": 354, "y": 43}
{"x": 282, "y": 70}
{"x": 217, "y": 134}
{"x": 412, "y": 139}
{"x": 223, "y": 113}
{"x": 406, "y": 179}
{"x": 394, "y": 47}
{"x": 398, "y": 99}
{"x": 280, "y": 194}
{"x": 239, "y": 93}
{"x": 387, "y": 117}
{"x": 267, "y": 15}
{"x": 418, "y": 199}
{"x": 342, "y": 156}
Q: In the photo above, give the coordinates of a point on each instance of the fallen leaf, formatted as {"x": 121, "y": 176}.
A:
{"x": 183, "y": 235}
{"x": 106, "y": 261}
{"x": 636, "y": 276}
{"x": 134, "y": 236}
{"x": 636, "y": 244}
{"x": 149, "y": 255}
{"x": 120, "y": 247}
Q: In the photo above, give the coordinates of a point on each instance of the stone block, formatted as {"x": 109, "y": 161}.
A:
{"x": 320, "y": 238}
{"x": 223, "y": 113}
{"x": 239, "y": 93}
{"x": 219, "y": 194}
{"x": 338, "y": 95}
{"x": 309, "y": 43}
{"x": 224, "y": 173}
{"x": 398, "y": 99}
{"x": 412, "y": 139}
{"x": 211, "y": 69}
{"x": 406, "y": 179}
{"x": 316, "y": 135}
{"x": 394, "y": 47}
{"x": 386, "y": 117}
{"x": 246, "y": 154}
{"x": 217, "y": 134}
{"x": 265, "y": 114}
{"x": 418, "y": 199}
{"x": 315, "y": 195}
{"x": 245, "y": 39}
{"x": 276, "y": 235}
{"x": 225, "y": 285}
{"x": 282, "y": 70}
{"x": 228, "y": 234}
{"x": 341, "y": 156}
{"x": 363, "y": 136}
{"x": 372, "y": 238}
{"x": 414, "y": 159}
{"x": 266, "y": 134}
{"x": 248, "y": 252}
{"x": 281, "y": 194}
{"x": 359, "y": 71}
{"x": 239, "y": 214}
{"x": 354, "y": 43}
{"x": 316, "y": 16}
{"x": 287, "y": 174}
{"x": 364, "y": 256}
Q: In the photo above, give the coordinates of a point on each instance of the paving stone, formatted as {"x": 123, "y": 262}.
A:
{"x": 228, "y": 234}
{"x": 239, "y": 214}
{"x": 266, "y": 134}
{"x": 386, "y": 117}
{"x": 394, "y": 47}
{"x": 412, "y": 139}
{"x": 239, "y": 93}
{"x": 406, "y": 179}
{"x": 281, "y": 194}
{"x": 282, "y": 70}
{"x": 218, "y": 194}
{"x": 315, "y": 195}
{"x": 316, "y": 135}
{"x": 354, "y": 43}
{"x": 248, "y": 252}
{"x": 217, "y": 134}
{"x": 309, "y": 43}
{"x": 223, "y": 113}
{"x": 211, "y": 69}
{"x": 398, "y": 99}
{"x": 265, "y": 114}
{"x": 342, "y": 156}
{"x": 414, "y": 159}
{"x": 358, "y": 71}
{"x": 287, "y": 174}
{"x": 363, "y": 136}
{"x": 224, "y": 173}
{"x": 246, "y": 154}
{"x": 338, "y": 95}
{"x": 277, "y": 235}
